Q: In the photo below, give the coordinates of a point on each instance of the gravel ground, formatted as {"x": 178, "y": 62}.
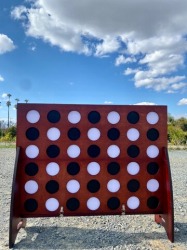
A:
{"x": 106, "y": 232}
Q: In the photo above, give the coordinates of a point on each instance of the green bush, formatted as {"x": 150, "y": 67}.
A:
{"x": 176, "y": 135}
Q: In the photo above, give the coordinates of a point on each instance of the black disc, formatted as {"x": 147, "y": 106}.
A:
{"x": 72, "y": 204}
{"x": 52, "y": 186}
{"x": 93, "y": 151}
{"x": 31, "y": 169}
{"x": 93, "y": 186}
{"x": 94, "y": 117}
{"x": 113, "y": 168}
{"x": 152, "y": 202}
{"x": 113, "y": 203}
{"x": 152, "y": 134}
{"x": 133, "y": 185}
{"x": 152, "y": 168}
{"x": 133, "y": 151}
{"x": 31, "y": 205}
{"x": 133, "y": 117}
{"x": 113, "y": 134}
{"x": 74, "y": 134}
{"x": 53, "y": 151}
{"x": 73, "y": 168}
{"x": 53, "y": 116}
{"x": 32, "y": 134}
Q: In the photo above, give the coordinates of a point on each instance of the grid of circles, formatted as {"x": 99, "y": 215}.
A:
{"x": 93, "y": 168}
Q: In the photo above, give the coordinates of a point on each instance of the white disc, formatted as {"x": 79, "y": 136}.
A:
{"x": 133, "y": 168}
{"x": 113, "y": 117}
{"x": 152, "y": 117}
{"x": 33, "y": 116}
{"x": 93, "y": 168}
{"x": 31, "y": 187}
{"x": 152, "y": 185}
{"x": 73, "y": 151}
{"x": 152, "y": 151}
{"x": 74, "y": 117}
{"x": 113, "y": 151}
{"x": 52, "y": 204}
{"x": 53, "y": 134}
{"x": 94, "y": 134}
{"x": 133, "y": 134}
{"x": 52, "y": 168}
{"x": 73, "y": 186}
{"x": 113, "y": 186}
{"x": 133, "y": 202}
{"x": 32, "y": 151}
{"x": 93, "y": 203}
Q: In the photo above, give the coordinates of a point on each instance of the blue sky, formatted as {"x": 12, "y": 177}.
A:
{"x": 95, "y": 52}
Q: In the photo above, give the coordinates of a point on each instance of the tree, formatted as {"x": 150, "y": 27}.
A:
{"x": 8, "y": 103}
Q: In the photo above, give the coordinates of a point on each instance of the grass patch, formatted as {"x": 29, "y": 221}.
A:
{"x": 7, "y": 145}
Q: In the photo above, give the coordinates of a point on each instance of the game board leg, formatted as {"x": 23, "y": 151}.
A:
{"x": 16, "y": 222}
{"x": 167, "y": 218}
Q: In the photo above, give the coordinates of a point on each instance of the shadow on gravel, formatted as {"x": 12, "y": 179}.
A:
{"x": 79, "y": 238}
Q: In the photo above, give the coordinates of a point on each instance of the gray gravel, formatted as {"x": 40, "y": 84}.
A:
{"x": 100, "y": 232}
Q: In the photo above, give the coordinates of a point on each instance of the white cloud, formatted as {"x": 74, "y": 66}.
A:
{"x": 183, "y": 101}
{"x": 121, "y": 59}
{"x": 154, "y": 41}
{"x": 145, "y": 103}
{"x": 1, "y": 78}
{"x": 6, "y": 44}
{"x": 108, "y": 102}
{"x": 4, "y": 95}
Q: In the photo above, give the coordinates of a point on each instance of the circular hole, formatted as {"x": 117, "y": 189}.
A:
{"x": 31, "y": 187}
{"x": 93, "y": 186}
{"x": 93, "y": 168}
{"x": 33, "y": 116}
{"x": 152, "y": 134}
{"x": 113, "y": 168}
{"x": 72, "y": 204}
{"x": 94, "y": 134}
{"x": 113, "y": 203}
{"x": 73, "y": 186}
{"x": 74, "y": 134}
{"x": 93, "y": 151}
{"x": 31, "y": 169}
{"x": 52, "y": 204}
{"x": 53, "y": 151}
{"x": 94, "y": 117}
{"x": 53, "y": 116}
{"x": 152, "y": 185}
{"x": 133, "y": 185}
{"x": 73, "y": 151}
{"x": 93, "y": 203}
{"x": 74, "y": 117}
{"x": 133, "y": 134}
{"x": 31, "y": 205}
{"x": 152, "y": 151}
{"x": 113, "y": 134}
{"x": 152, "y": 117}
{"x": 152, "y": 168}
{"x": 32, "y": 151}
{"x": 32, "y": 134}
{"x": 113, "y": 117}
{"x": 133, "y": 202}
{"x": 133, "y": 117}
{"x": 152, "y": 202}
{"x": 73, "y": 168}
{"x": 133, "y": 168}
{"x": 52, "y": 186}
{"x": 53, "y": 134}
{"x": 113, "y": 186}
{"x": 113, "y": 151}
{"x": 133, "y": 151}
{"x": 52, "y": 168}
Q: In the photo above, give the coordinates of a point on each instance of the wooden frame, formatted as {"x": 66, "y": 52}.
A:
{"x": 133, "y": 119}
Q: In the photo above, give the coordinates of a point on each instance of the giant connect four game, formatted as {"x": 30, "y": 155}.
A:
{"x": 80, "y": 160}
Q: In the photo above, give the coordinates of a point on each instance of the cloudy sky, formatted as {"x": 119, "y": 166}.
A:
{"x": 94, "y": 51}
